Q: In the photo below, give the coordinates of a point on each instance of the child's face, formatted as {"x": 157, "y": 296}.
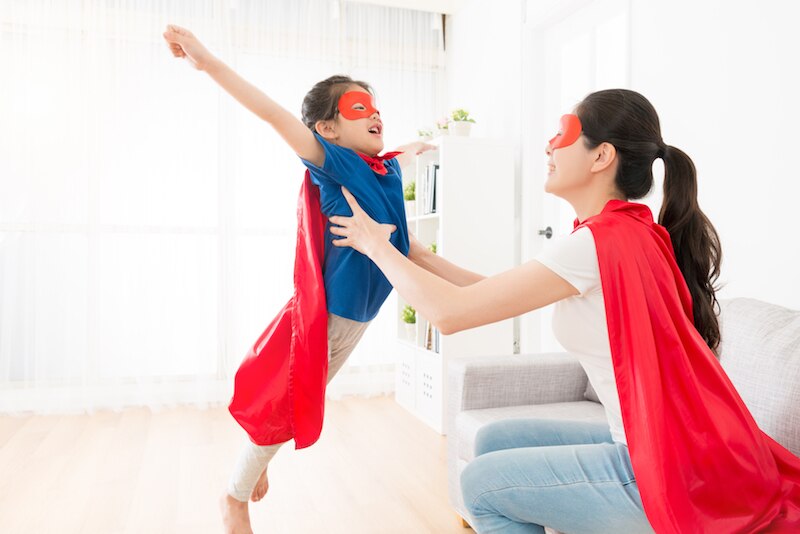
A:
{"x": 358, "y": 124}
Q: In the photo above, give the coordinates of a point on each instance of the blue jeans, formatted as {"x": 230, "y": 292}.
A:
{"x": 566, "y": 475}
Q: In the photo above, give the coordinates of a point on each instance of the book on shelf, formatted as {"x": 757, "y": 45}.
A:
{"x": 429, "y": 186}
{"x": 431, "y": 338}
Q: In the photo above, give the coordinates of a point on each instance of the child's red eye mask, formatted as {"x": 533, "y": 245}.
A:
{"x": 357, "y": 105}
{"x": 570, "y": 132}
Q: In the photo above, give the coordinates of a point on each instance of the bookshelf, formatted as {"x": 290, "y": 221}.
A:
{"x": 471, "y": 220}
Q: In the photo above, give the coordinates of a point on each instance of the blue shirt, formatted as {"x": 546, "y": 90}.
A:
{"x": 354, "y": 286}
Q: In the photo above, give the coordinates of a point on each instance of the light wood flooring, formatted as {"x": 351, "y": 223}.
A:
{"x": 376, "y": 469}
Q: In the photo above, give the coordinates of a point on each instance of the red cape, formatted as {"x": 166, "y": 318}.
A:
{"x": 701, "y": 462}
{"x": 279, "y": 389}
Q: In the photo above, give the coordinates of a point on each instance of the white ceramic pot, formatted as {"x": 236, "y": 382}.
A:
{"x": 411, "y": 208}
{"x": 411, "y": 332}
{"x": 460, "y": 128}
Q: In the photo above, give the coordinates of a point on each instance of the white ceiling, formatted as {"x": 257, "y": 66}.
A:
{"x": 434, "y": 6}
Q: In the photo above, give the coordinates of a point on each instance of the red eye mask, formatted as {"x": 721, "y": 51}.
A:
{"x": 350, "y": 99}
{"x": 570, "y": 132}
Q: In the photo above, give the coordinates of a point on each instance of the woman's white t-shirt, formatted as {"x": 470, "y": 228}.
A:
{"x": 579, "y": 322}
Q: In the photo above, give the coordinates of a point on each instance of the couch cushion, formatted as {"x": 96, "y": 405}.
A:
{"x": 469, "y": 422}
{"x": 760, "y": 352}
{"x": 590, "y": 393}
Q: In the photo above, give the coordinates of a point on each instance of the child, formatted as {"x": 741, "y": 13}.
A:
{"x": 338, "y": 141}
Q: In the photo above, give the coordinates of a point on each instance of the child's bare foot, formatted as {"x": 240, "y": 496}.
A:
{"x": 235, "y": 516}
{"x": 261, "y": 487}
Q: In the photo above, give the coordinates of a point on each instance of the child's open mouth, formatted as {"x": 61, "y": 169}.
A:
{"x": 377, "y": 129}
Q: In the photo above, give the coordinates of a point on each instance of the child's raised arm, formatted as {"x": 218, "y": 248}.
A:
{"x": 184, "y": 44}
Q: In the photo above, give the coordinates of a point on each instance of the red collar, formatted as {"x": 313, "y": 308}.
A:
{"x": 634, "y": 209}
{"x": 376, "y": 162}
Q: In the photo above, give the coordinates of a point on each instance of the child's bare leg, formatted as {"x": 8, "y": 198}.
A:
{"x": 235, "y": 515}
{"x": 262, "y": 486}
{"x": 249, "y": 480}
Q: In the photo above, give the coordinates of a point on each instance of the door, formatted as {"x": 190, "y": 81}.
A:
{"x": 570, "y": 49}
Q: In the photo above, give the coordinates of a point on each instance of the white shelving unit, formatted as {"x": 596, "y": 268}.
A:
{"x": 473, "y": 227}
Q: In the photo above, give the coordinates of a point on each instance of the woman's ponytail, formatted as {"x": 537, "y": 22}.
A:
{"x": 694, "y": 239}
{"x": 628, "y": 121}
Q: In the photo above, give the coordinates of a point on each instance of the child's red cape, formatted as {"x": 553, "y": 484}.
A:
{"x": 279, "y": 390}
{"x": 701, "y": 462}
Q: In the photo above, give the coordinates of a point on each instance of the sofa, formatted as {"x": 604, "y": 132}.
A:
{"x": 760, "y": 351}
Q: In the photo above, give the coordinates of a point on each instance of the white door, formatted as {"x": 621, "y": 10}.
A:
{"x": 571, "y": 48}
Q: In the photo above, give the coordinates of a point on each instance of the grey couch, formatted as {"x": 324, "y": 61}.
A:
{"x": 760, "y": 351}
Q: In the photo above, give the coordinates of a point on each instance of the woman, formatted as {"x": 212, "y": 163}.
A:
{"x": 635, "y": 302}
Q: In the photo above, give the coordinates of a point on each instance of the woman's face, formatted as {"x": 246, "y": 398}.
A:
{"x": 569, "y": 161}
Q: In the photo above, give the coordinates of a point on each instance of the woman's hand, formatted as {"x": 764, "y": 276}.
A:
{"x": 360, "y": 231}
{"x": 183, "y": 44}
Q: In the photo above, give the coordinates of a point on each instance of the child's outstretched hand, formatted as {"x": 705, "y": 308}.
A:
{"x": 418, "y": 147}
{"x": 411, "y": 150}
{"x": 183, "y": 44}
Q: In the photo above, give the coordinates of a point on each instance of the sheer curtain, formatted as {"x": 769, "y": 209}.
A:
{"x": 146, "y": 219}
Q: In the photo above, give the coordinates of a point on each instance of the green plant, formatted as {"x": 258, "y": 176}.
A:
{"x": 461, "y": 115}
{"x": 441, "y": 124}
{"x": 424, "y": 133}
{"x": 409, "y": 314}
{"x": 410, "y": 191}
{"x": 432, "y": 247}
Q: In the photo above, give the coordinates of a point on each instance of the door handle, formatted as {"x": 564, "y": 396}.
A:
{"x": 547, "y": 232}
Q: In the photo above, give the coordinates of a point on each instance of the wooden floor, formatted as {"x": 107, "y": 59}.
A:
{"x": 376, "y": 469}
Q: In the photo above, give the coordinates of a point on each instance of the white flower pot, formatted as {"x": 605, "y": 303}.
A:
{"x": 442, "y": 131}
{"x": 411, "y": 332}
{"x": 411, "y": 208}
{"x": 460, "y": 128}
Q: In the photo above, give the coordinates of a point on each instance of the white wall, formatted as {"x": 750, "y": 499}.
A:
{"x": 483, "y": 43}
{"x": 484, "y": 57}
{"x": 724, "y": 79}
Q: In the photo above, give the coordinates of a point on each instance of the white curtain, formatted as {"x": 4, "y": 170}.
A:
{"x": 146, "y": 219}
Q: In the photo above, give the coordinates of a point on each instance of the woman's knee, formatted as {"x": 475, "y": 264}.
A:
{"x": 471, "y": 483}
{"x": 484, "y": 440}
{"x": 509, "y": 434}
{"x": 495, "y": 436}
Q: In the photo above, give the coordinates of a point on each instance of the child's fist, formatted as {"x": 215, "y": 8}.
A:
{"x": 183, "y": 44}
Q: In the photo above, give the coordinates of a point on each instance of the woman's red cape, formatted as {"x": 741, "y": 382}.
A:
{"x": 701, "y": 462}
{"x": 279, "y": 389}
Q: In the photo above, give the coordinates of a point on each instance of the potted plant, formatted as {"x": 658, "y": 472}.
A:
{"x": 432, "y": 247}
{"x": 425, "y": 134}
{"x": 441, "y": 126}
{"x": 461, "y": 122}
{"x": 410, "y": 195}
{"x": 409, "y": 316}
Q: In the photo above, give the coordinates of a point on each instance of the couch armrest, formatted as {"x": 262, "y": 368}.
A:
{"x": 513, "y": 380}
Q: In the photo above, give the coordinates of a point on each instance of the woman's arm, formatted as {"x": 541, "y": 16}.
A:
{"x": 450, "y": 307}
{"x": 439, "y": 266}
{"x": 184, "y": 44}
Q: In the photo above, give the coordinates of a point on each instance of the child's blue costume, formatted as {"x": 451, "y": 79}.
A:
{"x": 279, "y": 391}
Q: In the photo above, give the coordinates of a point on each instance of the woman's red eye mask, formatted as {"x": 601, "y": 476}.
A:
{"x": 570, "y": 132}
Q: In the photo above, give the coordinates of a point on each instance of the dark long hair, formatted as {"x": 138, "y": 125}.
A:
{"x": 628, "y": 121}
{"x": 321, "y": 102}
